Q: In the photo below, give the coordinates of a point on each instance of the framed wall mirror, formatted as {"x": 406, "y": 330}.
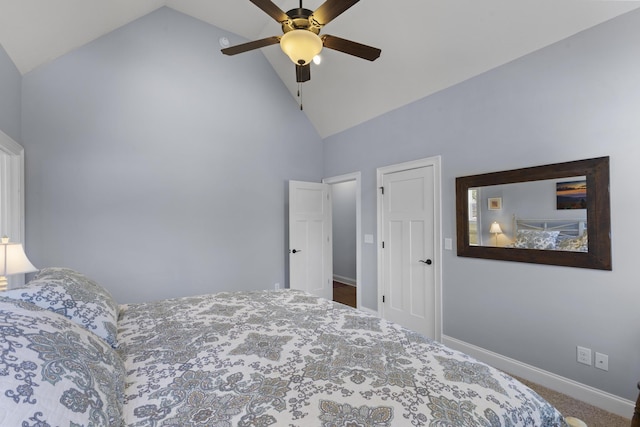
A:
{"x": 554, "y": 214}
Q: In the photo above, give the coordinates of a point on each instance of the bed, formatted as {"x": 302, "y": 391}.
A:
{"x": 72, "y": 357}
{"x": 550, "y": 234}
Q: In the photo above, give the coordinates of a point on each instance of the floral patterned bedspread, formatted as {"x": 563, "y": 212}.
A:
{"x": 287, "y": 358}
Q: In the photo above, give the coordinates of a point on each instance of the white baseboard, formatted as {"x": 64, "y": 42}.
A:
{"x": 601, "y": 399}
{"x": 345, "y": 280}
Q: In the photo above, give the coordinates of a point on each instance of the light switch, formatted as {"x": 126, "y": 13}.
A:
{"x": 448, "y": 243}
{"x": 368, "y": 238}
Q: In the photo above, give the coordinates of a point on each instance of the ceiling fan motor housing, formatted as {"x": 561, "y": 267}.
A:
{"x": 299, "y": 20}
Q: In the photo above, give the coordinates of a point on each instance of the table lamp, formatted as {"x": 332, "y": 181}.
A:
{"x": 13, "y": 260}
{"x": 495, "y": 229}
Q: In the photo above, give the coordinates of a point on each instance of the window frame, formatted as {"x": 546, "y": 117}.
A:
{"x": 12, "y": 201}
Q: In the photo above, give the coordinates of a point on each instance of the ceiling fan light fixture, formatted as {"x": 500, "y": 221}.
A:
{"x": 301, "y": 46}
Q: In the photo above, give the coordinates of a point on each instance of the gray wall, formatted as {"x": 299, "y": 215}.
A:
{"x": 344, "y": 229}
{"x": 577, "y": 99}
{"x": 10, "y": 96}
{"x": 159, "y": 166}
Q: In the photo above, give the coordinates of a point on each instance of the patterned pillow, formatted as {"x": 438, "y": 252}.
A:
{"x": 536, "y": 239}
{"x": 75, "y": 296}
{"x": 576, "y": 244}
{"x": 54, "y": 372}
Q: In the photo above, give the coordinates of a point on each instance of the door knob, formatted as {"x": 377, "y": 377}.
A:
{"x": 296, "y": 251}
{"x": 428, "y": 261}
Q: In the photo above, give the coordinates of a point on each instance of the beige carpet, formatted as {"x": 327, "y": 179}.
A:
{"x": 569, "y": 407}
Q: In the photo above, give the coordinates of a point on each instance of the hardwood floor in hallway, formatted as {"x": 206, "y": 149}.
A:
{"x": 344, "y": 294}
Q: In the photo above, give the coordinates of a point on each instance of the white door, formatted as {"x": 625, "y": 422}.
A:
{"x": 408, "y": 255}
{"x": 310, "y": 246}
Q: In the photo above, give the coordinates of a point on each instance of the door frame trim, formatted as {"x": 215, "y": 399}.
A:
{"x": 434, "y": 162}
{"x": 357, "y": 177}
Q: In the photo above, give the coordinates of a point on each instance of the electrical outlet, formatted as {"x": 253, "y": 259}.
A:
{"x": 584, "y": 355}
{"x": 602, "y": 361}
{"x": 276, "y": 286}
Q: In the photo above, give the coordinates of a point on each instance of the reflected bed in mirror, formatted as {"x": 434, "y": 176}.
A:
{"x": 553, "y": 214}
{"x": 551, "y": 234}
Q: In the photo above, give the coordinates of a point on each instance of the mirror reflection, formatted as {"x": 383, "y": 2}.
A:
{"x": 547, "y": 214}
{"x": 554, "y": 214}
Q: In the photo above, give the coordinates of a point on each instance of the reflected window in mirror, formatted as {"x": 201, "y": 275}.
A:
{"x": 473, "y": 217}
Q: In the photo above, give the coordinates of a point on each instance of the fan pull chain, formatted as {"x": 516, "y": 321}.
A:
{"x": 300, "y": 94}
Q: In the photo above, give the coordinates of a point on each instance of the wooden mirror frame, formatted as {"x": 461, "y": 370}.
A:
{"x": 598, "y": 214}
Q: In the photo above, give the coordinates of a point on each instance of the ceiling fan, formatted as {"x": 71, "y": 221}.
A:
{"x": 300, "y": 39}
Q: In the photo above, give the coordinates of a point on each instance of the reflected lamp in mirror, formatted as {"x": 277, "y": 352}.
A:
{"x": 13, "y": 260}
{"x": 495, "y": 230}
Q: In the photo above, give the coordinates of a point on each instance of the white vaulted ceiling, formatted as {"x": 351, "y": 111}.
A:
{"x": 427, "y": 45}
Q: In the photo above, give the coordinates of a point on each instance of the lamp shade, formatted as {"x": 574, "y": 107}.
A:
{"x": 301, "y": 46}
{"x": 495, "y": 228}
{"x": 13, "y": 260}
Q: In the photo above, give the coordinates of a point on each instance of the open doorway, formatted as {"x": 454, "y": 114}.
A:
{"x": 345, "y": 191}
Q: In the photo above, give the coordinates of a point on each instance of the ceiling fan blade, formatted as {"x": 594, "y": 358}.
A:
{"x": 330, "y": 9}
{"x": 271, "y": 9}
{"x": 351, "y": 48}
{"x": 303, "y": 73}
{"x": 256, "y": 44}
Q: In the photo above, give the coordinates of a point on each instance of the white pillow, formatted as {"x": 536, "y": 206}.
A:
{"x": 54, "y": 372}
{"x": 76, "y": 297}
